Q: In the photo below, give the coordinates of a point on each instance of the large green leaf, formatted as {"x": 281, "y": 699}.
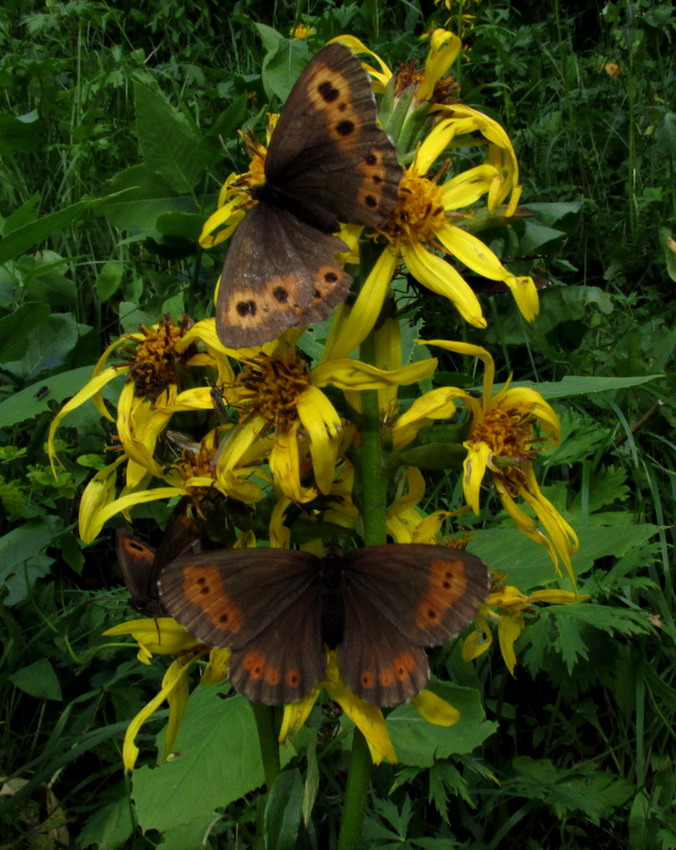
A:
{"x": 527, "y": 564}
{"x": 35, "y": 399}
{"x": 218, "y": 761}
{"x": 139, "y": 198}
{"x": 420, "y": 743}
{"x": 167, "y": 139}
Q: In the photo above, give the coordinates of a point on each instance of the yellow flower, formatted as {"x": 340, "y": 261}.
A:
{"x": 276, "y": 393}
{"x": 502, "y": 440}
{"x": 505, "y": 607}
{"x": 163, "y": 636}
{"x": 421, "y": 226}
{"x": 158, "y": 360}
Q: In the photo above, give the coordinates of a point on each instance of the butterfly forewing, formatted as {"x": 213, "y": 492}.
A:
{"x": 228, "y": 597}
{"x": 398, "y": 599}
{"x": 327, "y": 146}
{"x": 279, "y": 273}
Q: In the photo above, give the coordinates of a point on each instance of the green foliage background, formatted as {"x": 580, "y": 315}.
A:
{"x": 117, "y": 126}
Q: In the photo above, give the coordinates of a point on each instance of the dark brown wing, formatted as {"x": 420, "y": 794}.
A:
{"x": 136, "y": 565}
{"x": 327, "y": 146}
{"x": 279, "y": 273}
{"x": 399, "y": 598}
{"x": 263, "y": 605}
{"x": 140, "y": 565}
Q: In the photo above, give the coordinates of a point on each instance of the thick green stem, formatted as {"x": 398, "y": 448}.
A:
{"x": 267, "y": 735}
{"x": 373, "y": 485}
{"x": 358, "y": 782}
{"x": 266, "y": 723}
{"x": 372, "y": 464}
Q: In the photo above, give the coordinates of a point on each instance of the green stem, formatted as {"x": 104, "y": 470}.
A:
{"x": 372, "y": 464}
{"x": 266, "y": 723}
{"x": 358, "y": 782}
{"x": 373, "y": 481}
{"x": 267, "y": 735}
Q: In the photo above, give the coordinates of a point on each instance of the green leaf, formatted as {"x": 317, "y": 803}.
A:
{"x": 573, "y": 385}
{"x": 22, "y": 216}
{"x": 35, "y": 399}
{"x": 311, "y": 778}
{"x": 35, "y": 232}
{"x": 218, "y": 740}
{"x": 47, "y": 349}
{"x": 285, "y": 59}
{"x": 24, "y": 134}
{"x": 18, "y": 327}
{"x": 527, "y": 564}
{"x": 38, "y": 679}
{"x": 138, "y": 197}
{"x": 167, "y": 140}
{"x": 283, "y": 811}
{"x": 110, "y": 827}
{"x": 420, "y": 743}
{"x": 108, "y": 280}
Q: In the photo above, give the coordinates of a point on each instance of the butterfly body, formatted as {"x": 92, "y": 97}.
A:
{"x": 276, "y": 609}
{"x": 327, "y": 161}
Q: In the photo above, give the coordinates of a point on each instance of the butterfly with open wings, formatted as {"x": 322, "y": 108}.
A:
{"x": 328, "y": 161}
{"x": 277, "y": 610}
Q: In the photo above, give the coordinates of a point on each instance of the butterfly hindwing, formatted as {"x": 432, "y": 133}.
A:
{"x": 327, "y": 146}
{"x": 398, "y": 599}
{"x": 279, "y": 273}
{"x": 263, "y": 605}
{"x": 287, "y": 659}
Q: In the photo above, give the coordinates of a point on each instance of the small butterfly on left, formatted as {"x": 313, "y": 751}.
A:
{"x": 328, "y": 161}
{"x": 141, "y": 566}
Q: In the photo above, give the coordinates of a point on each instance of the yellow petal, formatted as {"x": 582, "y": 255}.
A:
{"x": 366, "y": 717}
{"x": 161, "y": 636}
{"x": 349, "y": 374}
{"x": 436, "y": 404}
{"x": 439, "y": 276}
{"x": 95, "y": 523}
{"x": 509, "y": 629}
{"x": 285, "y": 467}
{"x": 466, "y": 188}
{"x": 383, "y": 76}
{"x": 323, "y": 425}
{"x": 90, "y": 389}
{"x": 98, "y": 493}
{"x": 474, "y": 469}
{"x": 473, "y": 351}
{"x": 218, "y": 667}
{"x": 295, "y": 715}
{"x": 445, "y": 48}
{"x": 172, "y": 680}
{"x": 434, "y": 709}
{"x": 357, "y": 323}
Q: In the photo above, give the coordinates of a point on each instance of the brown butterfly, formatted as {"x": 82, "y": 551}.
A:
{"x": 141, "y": 566}
{"x": 328, "y": 161}
{"x": 275, "y": 609}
